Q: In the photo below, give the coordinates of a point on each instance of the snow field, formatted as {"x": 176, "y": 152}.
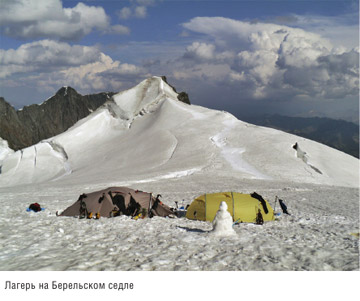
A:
{"x": 315, "y": 237}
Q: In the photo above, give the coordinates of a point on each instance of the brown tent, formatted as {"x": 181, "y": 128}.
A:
{"x": 115, "y": 201}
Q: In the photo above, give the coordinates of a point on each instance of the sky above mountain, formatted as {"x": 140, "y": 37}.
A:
{"x": 298, "y": 58}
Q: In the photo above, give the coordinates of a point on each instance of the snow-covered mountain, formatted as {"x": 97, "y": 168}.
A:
{"x": 146, "y": 139}
{"x": 31, "y": 124}
{"x": 145, "y": 134}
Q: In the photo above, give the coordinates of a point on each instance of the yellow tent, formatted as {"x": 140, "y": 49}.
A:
{"x": 242, "y": 207}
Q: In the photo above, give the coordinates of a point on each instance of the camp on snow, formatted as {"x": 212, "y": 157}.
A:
{"x": 115, "y": 201}
{"x": 244, "y": 208}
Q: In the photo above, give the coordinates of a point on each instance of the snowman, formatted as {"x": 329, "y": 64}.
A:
{"x": 223, "y": 222}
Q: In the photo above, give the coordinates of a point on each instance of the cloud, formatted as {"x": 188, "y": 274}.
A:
{"x": 268, "y": 61}
{"x": 102, "y": 75}
{"x": 49, "y": 64}
{"x": 341, "y": 30}
{"x": 129, "y": 12}
{"x": 119, "y": 29}
{"x": 200, "y": 51}
{"x": 45, "y": 55}
{"x": 138, "y": 9}
{"x": 124, "y": 13}
{"x": 49, "y": 19}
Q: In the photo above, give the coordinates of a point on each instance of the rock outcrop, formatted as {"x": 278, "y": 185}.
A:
{"x": 34, "y": 123}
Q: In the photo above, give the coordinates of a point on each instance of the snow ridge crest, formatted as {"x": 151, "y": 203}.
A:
{"x": 143, "y": 98}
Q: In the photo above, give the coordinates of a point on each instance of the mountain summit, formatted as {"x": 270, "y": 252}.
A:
{"x": 145, "y": 134}
{"x": 34, "y": 123}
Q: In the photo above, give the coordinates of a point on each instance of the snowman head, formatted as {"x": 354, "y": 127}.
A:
{"x": 223, "y": 206}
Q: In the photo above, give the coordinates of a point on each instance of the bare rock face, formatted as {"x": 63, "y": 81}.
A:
{"x": 11, "y": 128}
{"x": 34, "y": 123}
{"x": 182, "y": 96}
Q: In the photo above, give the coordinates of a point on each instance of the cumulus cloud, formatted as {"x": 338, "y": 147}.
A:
{"x": 128, "y": 12}
{"x": 49, "y": 19}
{"x": 103, "y": 74}
{"x": 138, "y": 9}
{"x": 141, "y": 11}
{"x": 124, "y": 13}
{"x": 269, "y": 61}
{"x": 119, "y": 29}
{"x": 45, "y": 54}
{"x": 49, "y": 64}
{"x": 200, "y": 51}
{"x": 341, "y": 30}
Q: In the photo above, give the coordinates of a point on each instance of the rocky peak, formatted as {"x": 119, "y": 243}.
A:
{"x": 34, "y": 123}
{"x": 183, "y": 96}
{"x": 65, "y": 91}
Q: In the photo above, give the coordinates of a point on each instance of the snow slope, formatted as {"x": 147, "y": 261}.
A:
{"x": 147, "y": 140}
{"x": 145, "y": 133}
{"x": 5, "y": 150}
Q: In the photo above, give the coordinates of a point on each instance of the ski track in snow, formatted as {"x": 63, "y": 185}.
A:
{"x": 234, "y": 155}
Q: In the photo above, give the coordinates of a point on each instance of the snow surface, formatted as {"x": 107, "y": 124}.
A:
{"x": 148, "y": 140}
{"x": 5, "y": 150}
{"x": 316, "y": 236}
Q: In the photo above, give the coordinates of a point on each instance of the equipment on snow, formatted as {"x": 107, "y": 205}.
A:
{"x": 283, "y": 207}
{"x": 261, "y": 200}
{"x": 34, "y": 207}
{"x": 259, "y": 218}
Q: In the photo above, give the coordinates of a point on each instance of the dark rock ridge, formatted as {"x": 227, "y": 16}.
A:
{"x": 182, "y": 96}
{"x": 34, "y": 123}
{"x": 11, "y": 128}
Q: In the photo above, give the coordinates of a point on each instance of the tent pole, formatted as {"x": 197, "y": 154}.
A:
{"x": 275, "y": 203}
{"x": 150, "y": 205}
{"x": 232, "y": 196}
{"x": 205, "y": 206}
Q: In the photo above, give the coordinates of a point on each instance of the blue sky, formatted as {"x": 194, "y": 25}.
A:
{"x": 299, "y": 58}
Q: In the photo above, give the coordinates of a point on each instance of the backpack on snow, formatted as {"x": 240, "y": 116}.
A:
{"x": 35, "y": 207}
